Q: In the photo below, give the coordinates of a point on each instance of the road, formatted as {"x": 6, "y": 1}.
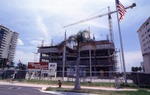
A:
{"x": 20, "y": 90}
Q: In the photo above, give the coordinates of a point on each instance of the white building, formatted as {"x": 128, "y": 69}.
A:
{"x": 144, "y": 37}
{"x": 8, "y": 42}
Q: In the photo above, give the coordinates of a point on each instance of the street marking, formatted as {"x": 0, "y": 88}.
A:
{"x": 16, "y": 88}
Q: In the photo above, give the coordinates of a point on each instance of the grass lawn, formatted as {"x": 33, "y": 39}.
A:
{"x": 52, "y": 82}
{"x": 96, "y": 84}
{"x": 102, "y": 92}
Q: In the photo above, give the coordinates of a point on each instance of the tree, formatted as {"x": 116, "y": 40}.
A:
{"x": 78, "y": 38}
{"x": 140, "y": 69}
{"x": 21, "y": 66}
{"x": 135, "y": 69}
{"x": 3, "y": 62}
{"x": 12, "y": 64}
{"x": 132, "y": 69}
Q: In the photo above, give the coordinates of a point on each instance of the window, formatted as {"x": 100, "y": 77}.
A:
{"x": 142, "y": 35}
{"x": 148, "y": 30}
{"x": 147, "y": 23}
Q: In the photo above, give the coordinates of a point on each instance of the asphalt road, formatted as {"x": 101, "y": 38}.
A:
{"x": 20, "y": 90}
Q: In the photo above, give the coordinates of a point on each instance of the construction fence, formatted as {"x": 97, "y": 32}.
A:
{"x": 68, "y": 76}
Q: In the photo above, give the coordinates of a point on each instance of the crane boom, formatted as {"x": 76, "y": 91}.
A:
{"x": 81, "y": 21}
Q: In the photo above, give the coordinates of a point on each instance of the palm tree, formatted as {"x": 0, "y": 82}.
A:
{"x": 78, "y": 38}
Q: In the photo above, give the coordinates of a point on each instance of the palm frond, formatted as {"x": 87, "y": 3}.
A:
{"x": 72, "y": 38}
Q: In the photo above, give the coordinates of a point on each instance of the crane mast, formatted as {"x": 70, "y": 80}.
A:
{"x": 110, "y": 26}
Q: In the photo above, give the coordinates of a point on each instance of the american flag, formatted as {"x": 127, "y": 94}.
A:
{"x": 121, "y": 9}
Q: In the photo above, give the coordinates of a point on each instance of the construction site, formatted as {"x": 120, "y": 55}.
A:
{"x": 97, "y": 56}
{"x": 82, "y": 54}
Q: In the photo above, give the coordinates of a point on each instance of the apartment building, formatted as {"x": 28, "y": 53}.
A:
{"x": 144, "y": 37}
{"x": 8, "y": 42}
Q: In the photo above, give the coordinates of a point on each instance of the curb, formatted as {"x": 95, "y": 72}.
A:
{"x": 74, "y": 93}
{"x": 65, "y": 93}
{"x": 97, "y": 88}
{"x": 62, "y": 93}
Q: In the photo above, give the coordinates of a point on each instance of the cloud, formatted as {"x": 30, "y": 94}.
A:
{"x": 20, "y": 42}
{"x": 43, "y": 29}
{"x": 24, "y": 57}
{"x": 133, "y": 58}
{"x": 35, "y": 42}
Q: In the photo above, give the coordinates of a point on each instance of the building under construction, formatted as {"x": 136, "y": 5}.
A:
{"x": 95, "y": 56}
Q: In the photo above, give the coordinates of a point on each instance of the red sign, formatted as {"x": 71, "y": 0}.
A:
{"x": 38, "y": 65}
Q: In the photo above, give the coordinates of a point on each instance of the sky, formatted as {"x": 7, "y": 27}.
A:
{"x": 37, "y": 20}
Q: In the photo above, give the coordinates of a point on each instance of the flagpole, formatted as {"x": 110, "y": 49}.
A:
{"x": 122, "y": 51}
{"x": 64, "y": 58}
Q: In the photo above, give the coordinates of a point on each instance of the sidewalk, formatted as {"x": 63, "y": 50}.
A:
{"x": 43, "y": 87}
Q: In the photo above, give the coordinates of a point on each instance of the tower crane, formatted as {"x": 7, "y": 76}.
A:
{"x": 98, "y": 16}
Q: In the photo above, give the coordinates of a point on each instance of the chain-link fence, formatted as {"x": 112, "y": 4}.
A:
{"x": 12, "y": 74}
{"x": 139, "y": 78}
{"x": 85, "y": 76}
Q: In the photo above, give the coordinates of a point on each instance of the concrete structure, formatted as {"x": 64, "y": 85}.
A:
{"x": 144, "y": 37}
{"x": 100, "y": 54}
{"x": 8, "y": 42}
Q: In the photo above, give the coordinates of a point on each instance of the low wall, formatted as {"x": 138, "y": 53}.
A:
{"x": 141, "y": 79}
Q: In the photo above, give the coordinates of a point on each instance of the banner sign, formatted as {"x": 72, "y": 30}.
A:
{"x": 38, "y": 65}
